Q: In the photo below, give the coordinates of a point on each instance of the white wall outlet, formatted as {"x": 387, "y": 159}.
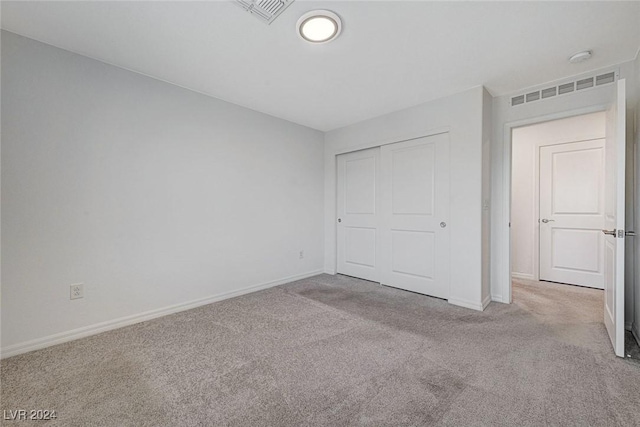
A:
{"x": 301, "y": 254}
{"x": 77, "y": 291}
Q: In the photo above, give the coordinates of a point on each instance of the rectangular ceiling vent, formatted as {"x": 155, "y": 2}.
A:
{"x": 564, "y": 88}
{"x": 265, "y": 10}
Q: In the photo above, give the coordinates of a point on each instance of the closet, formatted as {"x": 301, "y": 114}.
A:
{"x": 392, "y": 212}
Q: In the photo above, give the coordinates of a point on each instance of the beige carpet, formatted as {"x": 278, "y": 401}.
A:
{"x": 333, "y": 350}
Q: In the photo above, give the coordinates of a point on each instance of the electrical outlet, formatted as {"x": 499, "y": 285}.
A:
{"x": 301, "y": 254}
{"x": 77, "y": 291}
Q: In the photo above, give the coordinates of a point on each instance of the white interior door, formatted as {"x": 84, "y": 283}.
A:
{"x": 414, "y": 210}
{"x": 572, "y": 213}
{"x": 357, "y": 192}
{"x": 615, "y": 146}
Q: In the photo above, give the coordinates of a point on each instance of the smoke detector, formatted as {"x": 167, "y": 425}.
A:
{"x": 580, "y": 57}
{"x": 265, "y": 10}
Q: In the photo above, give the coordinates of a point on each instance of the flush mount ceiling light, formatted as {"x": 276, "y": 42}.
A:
{"x": 580, "y": 57}
{"x": 319, "y": 26}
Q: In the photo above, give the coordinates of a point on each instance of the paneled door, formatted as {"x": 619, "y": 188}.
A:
{"x": 572, "y": 213}
{"x": 357, "y": 209}
{"x": 614, "y": 220}
{"x": 414, "y": 210}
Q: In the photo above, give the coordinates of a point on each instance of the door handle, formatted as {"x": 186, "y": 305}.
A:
{"x": 610, "y": 232}
{"x": 630, "y": 233}
{"x": 545, "y": 220}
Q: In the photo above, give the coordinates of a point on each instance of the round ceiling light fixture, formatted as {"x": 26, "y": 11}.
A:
{"x": 319, "y": 26}
{"x": 580, "y": 57}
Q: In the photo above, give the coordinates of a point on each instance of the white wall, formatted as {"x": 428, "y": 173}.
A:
{"x": 149, "y": 194}
{"x": 461, "y": 115}
{"x": 524, "y": 201}
{"x": 576, "y": 103}
{"x": 523, "y": 215}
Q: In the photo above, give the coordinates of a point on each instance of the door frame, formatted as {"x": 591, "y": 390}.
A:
{"x": 505, "y": 227}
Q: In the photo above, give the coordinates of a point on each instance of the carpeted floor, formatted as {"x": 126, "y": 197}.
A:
{"x": 332, "y": 350}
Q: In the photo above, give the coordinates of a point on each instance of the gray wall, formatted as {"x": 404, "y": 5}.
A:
{"x": 149, "y": 194}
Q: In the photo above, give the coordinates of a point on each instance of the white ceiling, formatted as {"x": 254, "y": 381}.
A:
{"x": 390, "y": 55}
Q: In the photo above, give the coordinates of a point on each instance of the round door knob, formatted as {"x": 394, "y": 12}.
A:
{"x": 443, "y": 224}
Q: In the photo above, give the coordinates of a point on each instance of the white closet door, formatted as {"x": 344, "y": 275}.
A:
{"x": 572, "y": 213}
{"x": 358, "y": 213}
{"x": 414, "y": 208}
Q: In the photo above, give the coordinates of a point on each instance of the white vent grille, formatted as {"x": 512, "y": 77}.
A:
{"x": 605, "y": 78}
{"x": 533, "y": 96}
{"x": 564, "y": 88}
{"x": 584, "y": 83}
{"x": 517, "y": 100}
{"x": 548, "y": 93}
{"x": 265, "y": 10}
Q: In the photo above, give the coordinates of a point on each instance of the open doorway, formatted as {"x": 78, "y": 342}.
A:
{"x": 557, "y": 218}
{"x": 558, "y": 201}
{"x": 614, "y": 233}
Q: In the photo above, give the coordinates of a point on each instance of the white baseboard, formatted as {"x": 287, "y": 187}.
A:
{"x": 109, "y": 325}
{"x": 486, "y": 301}
{"x": 469, "y": 304}
{"x": 524, "y": 276}
{"x": 497, "y": 298}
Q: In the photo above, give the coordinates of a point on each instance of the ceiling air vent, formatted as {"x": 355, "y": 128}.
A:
{"x": 265, "y": 10}
{"x": 548, "y": 93}
{"x": 584, "y": 83}
{"x": 564, "y": 88}
{"x": 533, "y": 96}
{"x": 517, "y": 100}
{"x": 603, "y": 79}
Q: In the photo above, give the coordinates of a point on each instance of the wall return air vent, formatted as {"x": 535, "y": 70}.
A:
{"x": 564, "y": 88}
{"x": 265, "y": 10}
